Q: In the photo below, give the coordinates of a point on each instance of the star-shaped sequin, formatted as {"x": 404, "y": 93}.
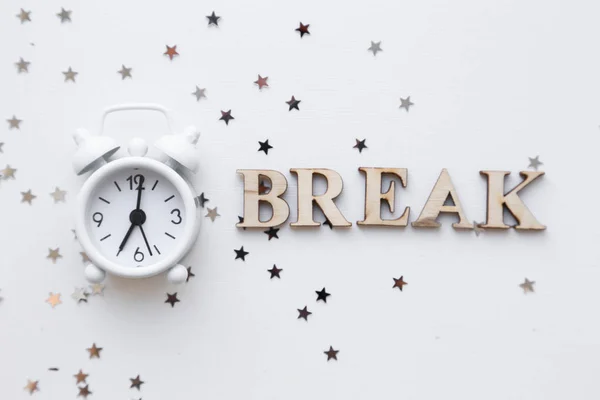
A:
{"x": 272, "y": 232}
{"x": 24, "y": 16}
{"x": 303, "y": 29}
{"x": 527, "y": 286}
{"x": 81, "y": 377}
{"x": 172, "y": 299}
{"x": 79, "y": 295}
{"x": 32, "y": 386}
{"x": 94, "y": 351}
{"x": 477, "y": 228}
{"x": 213, "y": 19}
{"x": 97, "y": 289}
{"x": 190, "y": 274}
{"x": 406, "y": 103}
{"x": 199, "y": 93}
{"x": 125, "y": 72}
{"x": 136, "y": 382}
{"x": 27, "y": 197}
{"x": 226, "y": 116}
{"x": 375, "y": 47}
{"x": 201, "y": 200}
{"x": 53, "y": 299}
{"x": 535, "y": 162}
{"x": 70, "y": 75}
{"x": 262, "y": 82}
{"x": 64, "y": 15}
{"x": 399, "y": 283}
{"x": 265, "y": 146}
{"x": 58, "y": 195}
{"x": 303, "y": 313}
{"x": 171, "y": 52}
{"x": 8, "y": 173}
{"x": 263, "y": 187}
{"x": 322, "y": 295}
{"x": 84, "y": 391}
{"x": 84, "y": 257}
{"x": 331, "y": 353}
{"x": 212, "y": 214}
{"x": 241, "y": 254}
{"x": 275, "y": 272}
{"x": 22, "y": 65}
{"x": 360, "y": 145}
{"x": 293, "y": 103}
{"x": 54, "y": 254}
{"x": 14, "y": 123}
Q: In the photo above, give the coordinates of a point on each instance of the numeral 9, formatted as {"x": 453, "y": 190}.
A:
{"x": 98, "y": 217}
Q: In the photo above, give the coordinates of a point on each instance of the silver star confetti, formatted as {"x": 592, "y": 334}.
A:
{"x": 97, "y": 289}
{"x": 212, "y": 213}
{"x": 477, "y": 227}
{"x": 27, "y": 196}
{"x": 84, "y": 257}
{"x": 14, "y": 123}
{"x": 64, "y": 15}
{"x": 535, "y": 162}
{"x": 125, "y": 72}
{"x": 527, "y": 286}
{"x": 79, "y": 295}
{"x": 405, "y": 103}
{"x": 54, "y": 254}
{"x": 22, "y": 65}
{"x": 375, "y": 47}
{"x": 199, "y": 93}
{"x": 8, "y": 172}
{"x": 70, "y": 75}
{"x": 24, "y": 16}
{"x": 58, "y": 195}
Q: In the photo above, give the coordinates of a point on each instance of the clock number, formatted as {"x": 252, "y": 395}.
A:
{"x": 176, "y": 211}
{"x": 138, "y": 255}
{"x": 138, "y": 180}
{"x": 98, "y": 217}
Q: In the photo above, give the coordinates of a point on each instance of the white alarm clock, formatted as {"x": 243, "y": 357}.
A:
{"x": 135, "y": 216}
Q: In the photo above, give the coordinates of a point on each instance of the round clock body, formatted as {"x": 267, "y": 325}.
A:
{"x": 136, "y": 217}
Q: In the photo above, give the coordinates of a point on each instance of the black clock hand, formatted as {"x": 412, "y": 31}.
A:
{"x": 125, "y": 238}
{"x": 139, "y": 189}
{"x": 145, "y": 240}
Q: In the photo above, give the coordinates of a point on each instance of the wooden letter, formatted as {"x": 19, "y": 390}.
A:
{"x": 252, "y": 198}
{"x": 324, "y": 201}
{"x": 374, "y": 197}
{"x": 442, "y": 190}
{"x": 496, "y": 200}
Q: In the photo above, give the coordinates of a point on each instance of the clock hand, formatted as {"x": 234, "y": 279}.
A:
{"x": 125, "y": 238}
{"x": 139, "y": 189}
{"x": 145, "y": 240}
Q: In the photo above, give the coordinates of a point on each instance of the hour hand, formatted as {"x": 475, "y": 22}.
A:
{"x": 125, "y": 238}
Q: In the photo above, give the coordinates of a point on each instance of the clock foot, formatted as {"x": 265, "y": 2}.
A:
{"x": 94, "y": 274}
{"x": 177, "y": 274}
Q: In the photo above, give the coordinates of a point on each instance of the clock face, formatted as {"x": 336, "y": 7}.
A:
{"x": 135, "y": 217}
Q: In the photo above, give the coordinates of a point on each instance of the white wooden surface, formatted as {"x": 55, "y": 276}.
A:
{"x": 493, "y": 83}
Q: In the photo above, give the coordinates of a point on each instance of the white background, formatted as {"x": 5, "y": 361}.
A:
{"x": 493, "y": 83}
